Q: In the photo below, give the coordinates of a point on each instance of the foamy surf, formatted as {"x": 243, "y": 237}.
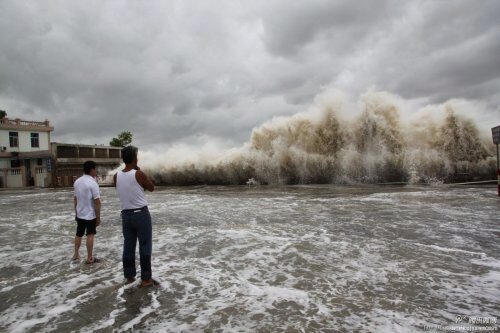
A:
{"x": 296, "y": 258}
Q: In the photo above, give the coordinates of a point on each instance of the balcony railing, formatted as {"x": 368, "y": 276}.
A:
{"x": 15, "y": 171}
{"x": 40, "y": 170}
{"x": 19, "y": 122}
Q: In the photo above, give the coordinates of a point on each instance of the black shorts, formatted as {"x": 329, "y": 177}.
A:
{"x": 83, "y": 225}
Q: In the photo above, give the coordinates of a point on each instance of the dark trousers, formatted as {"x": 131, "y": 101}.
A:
{"x": 137, "y": 226}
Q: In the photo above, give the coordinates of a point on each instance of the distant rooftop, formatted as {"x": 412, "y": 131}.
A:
{"x": 20, "y": 124}
{"x": 60, "y": 144}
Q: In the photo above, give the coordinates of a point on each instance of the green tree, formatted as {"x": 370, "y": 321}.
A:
{"x": 3, "y": 114}
{"x": 123, "y": 139}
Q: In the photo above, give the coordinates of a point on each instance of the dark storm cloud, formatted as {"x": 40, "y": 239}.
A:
{"x": 290, "y": 26}
{"x": 452, "y": 55}
{"x": 174, "y": 71}
{"x": 477, "y": 65}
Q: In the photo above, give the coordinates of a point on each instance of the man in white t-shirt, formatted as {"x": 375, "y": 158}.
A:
{"x": 87, "y": 210}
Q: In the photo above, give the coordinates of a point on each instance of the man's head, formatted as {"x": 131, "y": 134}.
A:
{"x": 89, "y": 168}
{"x": 129, "y": 155}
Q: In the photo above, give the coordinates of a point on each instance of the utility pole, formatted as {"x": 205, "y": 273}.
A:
{"x": 495, "y": 131}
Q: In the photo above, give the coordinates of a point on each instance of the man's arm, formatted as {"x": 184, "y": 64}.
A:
{"x": 114, "y": 180}
{"x": 75, "y": 201}
{"x": 144, "y": 181}
{"x": 94, "y": 189}
{"x": 97, "y": 207}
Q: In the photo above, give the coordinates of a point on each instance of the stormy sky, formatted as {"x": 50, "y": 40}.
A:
{"x": 191, "y": 71}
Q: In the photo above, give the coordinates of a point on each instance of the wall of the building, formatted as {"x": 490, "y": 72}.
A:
{"x": 14, "y": 178}
{"x": 67, "y": 173}
{"x": 4, "y": 138}
{"x": 40, "y": 173}
{"x": 18, "y": 177}
{"x": 69, "y": 159}
{"x": 11, "y": 177}
{"x": 25, "y": 141}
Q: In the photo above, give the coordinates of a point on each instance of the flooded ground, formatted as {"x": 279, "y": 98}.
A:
{"x": 258, "y": 259}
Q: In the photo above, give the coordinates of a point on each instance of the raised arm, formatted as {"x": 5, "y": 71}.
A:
{"x": 144, "y": 181}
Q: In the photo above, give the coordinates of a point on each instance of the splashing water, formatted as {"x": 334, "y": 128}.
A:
{"x": 324, "y": 146}
{"x": 308, "y": 258}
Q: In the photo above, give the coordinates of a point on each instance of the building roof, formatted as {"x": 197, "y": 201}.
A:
{"x": 82, "y": 145}
{"x": 25, "y": 125}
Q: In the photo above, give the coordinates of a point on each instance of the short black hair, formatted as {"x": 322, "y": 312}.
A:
{"x": 129, "y": 154}
{"x": 88, "y": 166}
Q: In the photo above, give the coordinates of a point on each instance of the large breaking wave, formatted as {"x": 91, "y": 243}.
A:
{"x": 336, "y": 143}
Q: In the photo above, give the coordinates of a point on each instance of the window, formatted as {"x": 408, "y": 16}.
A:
{"x": 35, "y": 142}
{"x": 39, "y": 162}
{"x": 14, "y": 139}
{"x": 15, "y": 163}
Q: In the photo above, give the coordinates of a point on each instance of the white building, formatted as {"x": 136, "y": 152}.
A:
{"x": 25, "y": 153}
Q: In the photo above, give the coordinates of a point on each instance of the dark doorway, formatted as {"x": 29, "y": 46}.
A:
{"x": 30, "y": 180}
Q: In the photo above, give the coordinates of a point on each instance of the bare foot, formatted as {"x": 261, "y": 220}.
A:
{"x": 146, "y": 283}
{"x": 92, "y": 261}
{"x": 76, "y": 258}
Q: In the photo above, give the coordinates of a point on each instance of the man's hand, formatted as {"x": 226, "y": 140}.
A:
{"x": 98, "y": 221}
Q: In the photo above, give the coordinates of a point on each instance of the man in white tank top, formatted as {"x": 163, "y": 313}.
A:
{"x": 130, "y": 184}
